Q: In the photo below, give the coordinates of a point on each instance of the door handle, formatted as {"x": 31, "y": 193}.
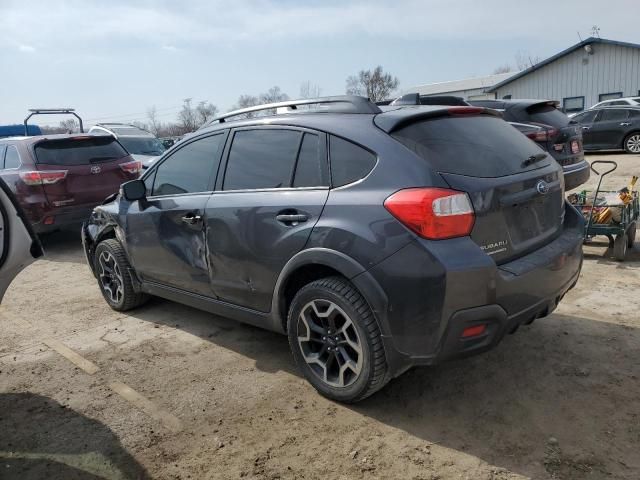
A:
{"x": 293, "y": 218}
{"x": 191, "y": 219}
{"x": 625, "y": 124}
{"x": 586, "y": 128}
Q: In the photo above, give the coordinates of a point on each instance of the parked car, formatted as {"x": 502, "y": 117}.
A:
{"x": 619, "y": 102}
{"x": 19, "y": 245}
{"x": 59, "y": 179}
{"x": 376, "y": 240}
{"x": 141, "y": 144}
{"x": 611, "y": 128}
{"x": 541, "y": 121}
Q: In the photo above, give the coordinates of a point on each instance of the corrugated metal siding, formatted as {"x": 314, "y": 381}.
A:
{"x": 610, "y": 69}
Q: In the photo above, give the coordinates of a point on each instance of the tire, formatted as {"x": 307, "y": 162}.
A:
{"x": 631, "y": 235}
{"x": 333, "y": 302}
{"x": 620, "y": 247}
{"x": 114, "y": 279}
{"x": 632, "y": 143}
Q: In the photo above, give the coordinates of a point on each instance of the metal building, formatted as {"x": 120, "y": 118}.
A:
{"x": 469, "y": 88}
{"x": 593, "y": 70}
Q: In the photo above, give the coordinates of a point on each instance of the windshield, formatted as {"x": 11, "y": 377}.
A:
{"x": 142, "y": 145}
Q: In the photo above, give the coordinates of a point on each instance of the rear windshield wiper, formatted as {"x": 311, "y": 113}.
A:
{"x": 534, "y": 159}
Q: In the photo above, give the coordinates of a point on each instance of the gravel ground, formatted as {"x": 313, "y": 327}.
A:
{"x": 167, "y": 391}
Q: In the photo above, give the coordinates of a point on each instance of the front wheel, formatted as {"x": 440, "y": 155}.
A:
{"x": 336, "y": 341}
{"x": 114, "y": 277}
{"x": 632, "y": 143}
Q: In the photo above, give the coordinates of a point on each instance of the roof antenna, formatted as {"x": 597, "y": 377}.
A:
{"x": 595, "y": 31}
{"x": 580, "y": 37}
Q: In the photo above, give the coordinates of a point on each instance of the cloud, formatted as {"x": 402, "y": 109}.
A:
{"x": 170, "y": 48}
{"x": 77, "y": 24}
{"x": 27, "y": 48}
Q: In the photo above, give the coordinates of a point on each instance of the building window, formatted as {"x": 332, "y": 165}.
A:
{"x": 609, "y": 96}
{"x": 573, "y": 104}
{"x": 507, "y": 97}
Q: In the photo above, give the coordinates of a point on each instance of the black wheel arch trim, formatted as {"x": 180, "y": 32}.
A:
{"x": 353, "y": 271}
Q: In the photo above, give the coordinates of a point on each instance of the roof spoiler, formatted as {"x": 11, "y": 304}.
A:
{"x": 51, "y": 111}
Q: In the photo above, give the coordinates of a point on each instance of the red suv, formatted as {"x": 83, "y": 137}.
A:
{"x": 59, "y": 179}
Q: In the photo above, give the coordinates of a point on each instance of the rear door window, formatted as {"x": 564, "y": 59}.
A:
{"x": 311, "y": 168}
{"x": 262, "y": 158}
{"x": 349, "y": 162}
{"x": 189, "y": 169}
{"x": 615, "y": 114}
{"x": 586, "y": 117}
{"x": 79, "y": 151}
{"x": 479, "y": 146}
{"x": 12, "y": 157}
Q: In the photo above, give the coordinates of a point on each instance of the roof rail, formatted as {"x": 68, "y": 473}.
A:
{"x": 51, "y": 111}
{"x": 336, "y": 104}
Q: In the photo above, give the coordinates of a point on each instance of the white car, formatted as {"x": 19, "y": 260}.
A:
{"x": 619, "y": 102}
{"x": 142, "y": 145}
{"x": 19, "y": 245}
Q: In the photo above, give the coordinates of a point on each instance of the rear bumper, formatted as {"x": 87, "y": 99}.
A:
{"x": 576, "y": 174}
{"x": 62, "y": 217}
{"x": 437, "y": 289}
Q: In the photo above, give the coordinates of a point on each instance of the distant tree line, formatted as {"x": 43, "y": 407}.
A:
{"x": 375, "y": 84}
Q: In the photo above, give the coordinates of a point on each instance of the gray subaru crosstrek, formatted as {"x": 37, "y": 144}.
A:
{"x": 375, "y": 239}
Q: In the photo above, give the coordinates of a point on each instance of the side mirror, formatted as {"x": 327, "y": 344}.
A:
{"x": 134, "y": 190}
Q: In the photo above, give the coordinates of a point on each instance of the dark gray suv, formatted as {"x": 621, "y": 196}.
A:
{"x": 377, "y": 240}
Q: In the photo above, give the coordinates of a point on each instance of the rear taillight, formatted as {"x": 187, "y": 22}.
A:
{"x": 543, "y": 135}
{"x": 433, "y": 213}
{"x": 44, "y": 177}
{"x": 133, "y": 168}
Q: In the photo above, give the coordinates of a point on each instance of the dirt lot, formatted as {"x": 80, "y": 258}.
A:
{"x": 170, "y": 392}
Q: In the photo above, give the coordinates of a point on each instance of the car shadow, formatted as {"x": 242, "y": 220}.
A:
{"x": 40, "y": 438}
{"x": 554, "y": 396}
{"x": 63, "y": 246}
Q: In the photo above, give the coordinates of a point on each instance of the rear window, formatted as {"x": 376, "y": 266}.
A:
{"x": 548, "y": 114}
{"x": 479, "y": 146}
{"x": 78, "y": 151}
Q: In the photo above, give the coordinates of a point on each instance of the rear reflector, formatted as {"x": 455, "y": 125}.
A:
{"x": 133, "y": 168}
{"x": 474, "y": 331}
{"x": 43, "y": 177}
{"x": 49, "y": 220}
{"x": 433, "y": 213}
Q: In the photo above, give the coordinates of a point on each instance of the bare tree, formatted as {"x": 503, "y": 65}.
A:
{"x": 274, "y": 94}
{"x": 309, "y": 90}
{"x": 506, "y": 68}
{"x": 154, "y": 123}
{"x": 69, "y": 126}
{"x": 205, "y": 111}
{"x": 525, "y": 60}
{"x": 374, "y": 84}
{"x": 187, "y": 116}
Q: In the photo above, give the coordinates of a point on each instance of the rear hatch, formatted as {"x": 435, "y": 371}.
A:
{"x": 82, "y": 170}
{"x": 563, "y": 136}
{"x": 517, "y": 189}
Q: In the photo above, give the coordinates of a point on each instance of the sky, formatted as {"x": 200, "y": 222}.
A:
{"x": 113, "y": 60}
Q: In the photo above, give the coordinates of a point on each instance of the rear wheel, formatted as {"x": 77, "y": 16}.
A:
{"x": 620, "y": 247}
{"x": 336, "y": 341}
{"x": 632, "y": 143}
{"x": 114, "y": 278}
